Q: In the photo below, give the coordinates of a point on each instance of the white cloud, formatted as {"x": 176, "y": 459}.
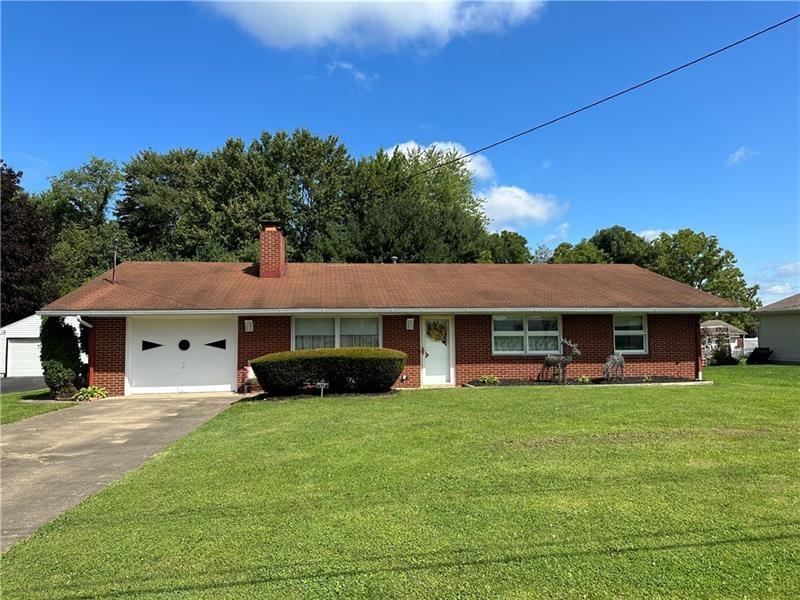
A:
{"x": 511, "y": 204}
{"x": 779, "y": 288}
{"x": 480, "y": 166}
{"x": 373, "y": 23}
{"x": 508, "y": 207}
{"x": 651, "y": 234}
{"x": 359, "y": 76}
{"x": 741, "y": 154}
{"x": 788, "y": 269}
{"x": 777, "y": 281}
{"x": 560, "y": 233}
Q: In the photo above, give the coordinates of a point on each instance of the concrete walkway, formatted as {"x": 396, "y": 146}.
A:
{"x": 52, "y": 462}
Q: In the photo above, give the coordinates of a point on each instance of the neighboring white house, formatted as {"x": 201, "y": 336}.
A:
{"x": 779, "y": 329}
{"x": 20, "y": 347}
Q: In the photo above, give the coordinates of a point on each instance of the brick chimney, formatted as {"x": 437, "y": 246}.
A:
{"x": 271, "y": 250}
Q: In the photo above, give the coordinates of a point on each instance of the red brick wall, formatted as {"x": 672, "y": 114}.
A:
{"x": 397, "y": 337}
{"x": 108, "y": 359}
{"x": 271, "y": 253}
{"x": 273, "y": 334}
{"x": 270, "y": 334}
{"x": 672, "y": 348}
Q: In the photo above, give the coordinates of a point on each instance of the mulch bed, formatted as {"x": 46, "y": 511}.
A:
{"x": 594, "y": 381}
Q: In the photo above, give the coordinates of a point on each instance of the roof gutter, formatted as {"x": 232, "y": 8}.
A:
{"x": 384, "y": 311}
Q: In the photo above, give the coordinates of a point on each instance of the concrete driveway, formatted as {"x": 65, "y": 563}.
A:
{"x": 21, "y": 384}
{"x": 53, "y": 461}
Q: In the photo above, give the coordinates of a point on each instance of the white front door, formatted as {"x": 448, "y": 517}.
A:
{"x": 437, "y": 351}
{"x": 191, "y": 354}
{"x": 24, "y": 357}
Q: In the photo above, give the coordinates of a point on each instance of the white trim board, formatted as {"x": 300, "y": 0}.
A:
{"x": 385, "y": 311}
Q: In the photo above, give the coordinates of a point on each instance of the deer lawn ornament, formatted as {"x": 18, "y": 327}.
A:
{"x": 614, "y": 369}
{"x": 557, "y": 363}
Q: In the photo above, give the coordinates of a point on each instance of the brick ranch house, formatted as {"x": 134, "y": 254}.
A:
{"x": 161, "y": 327}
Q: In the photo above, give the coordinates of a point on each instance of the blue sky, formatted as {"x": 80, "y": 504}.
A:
{"x": 715, "y": 148}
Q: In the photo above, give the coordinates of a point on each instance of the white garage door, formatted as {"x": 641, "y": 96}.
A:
{"x": 24, "y": 358}
{"x": 182, "y": 355}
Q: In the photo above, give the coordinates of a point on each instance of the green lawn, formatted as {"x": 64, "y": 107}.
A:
{"x": 516, "y": 492}
{"x": 14, "y": 408}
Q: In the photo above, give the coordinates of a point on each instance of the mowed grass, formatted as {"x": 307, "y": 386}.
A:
{"x": 13, "y": 407}
{"x": 503, "y": 492}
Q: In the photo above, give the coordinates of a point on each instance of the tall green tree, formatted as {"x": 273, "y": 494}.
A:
{"x": 158, "y": 189}
{"x": 83, "y": 253}
{"x": 582, "y": 252}
{"x": 698, "y": 260}
{"x": 396, "y": 208}
{"x": 622, "y": 245}
{"x": 25, "y": 262}
{"x": 192, "y": 206}
{"x": 186, "y": 205}
{"x": 509, "y": 247}
{"x": 82, "y": 196}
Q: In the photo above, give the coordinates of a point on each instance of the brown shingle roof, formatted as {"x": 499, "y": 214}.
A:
{"x": 236, "y": 286}
{"x": 790, "y": 304}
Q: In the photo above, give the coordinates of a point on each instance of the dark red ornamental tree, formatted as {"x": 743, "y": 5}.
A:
{"x": 26, "y": 266}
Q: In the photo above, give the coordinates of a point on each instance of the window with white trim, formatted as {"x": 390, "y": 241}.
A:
{"x": 314, "y": 333}
{"x": 630, "y": 334}
{"x": 358, "y": 331}
{"x": 336, "y": 332}
{"x": 526, "y": 334}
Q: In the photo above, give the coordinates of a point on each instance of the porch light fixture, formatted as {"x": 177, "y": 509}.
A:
{"x": 410, "y": 324}
{"x": 248, "y": 325}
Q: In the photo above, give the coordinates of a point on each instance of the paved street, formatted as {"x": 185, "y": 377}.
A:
{"x": 21, "y": 384}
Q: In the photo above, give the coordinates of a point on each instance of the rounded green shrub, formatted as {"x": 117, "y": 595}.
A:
{"x": 344, "y": 369}
{"x": 60, "y": 379}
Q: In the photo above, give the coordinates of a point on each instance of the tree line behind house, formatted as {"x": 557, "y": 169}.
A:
{"x": 184, "y": 204}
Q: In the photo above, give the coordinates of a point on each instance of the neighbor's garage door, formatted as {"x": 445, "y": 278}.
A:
{"x": 182, "y": 355}
{"x": 24, "y": 357}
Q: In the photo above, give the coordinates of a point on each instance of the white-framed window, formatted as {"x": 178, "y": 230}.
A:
{"x": 314, "y": 333}
{"x": 526, "y": 334}
{"x": 362, "y": 332}
{"x": 335, "y": 332}
{"x": 630, "y": 334}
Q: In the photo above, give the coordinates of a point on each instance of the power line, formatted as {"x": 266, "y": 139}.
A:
{"x": 606, "y": 99}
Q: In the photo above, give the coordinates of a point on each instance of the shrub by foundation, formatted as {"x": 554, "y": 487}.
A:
{"x": 345, "y": 370}
{"x": 61, "y": 357}
{"x": 59, "y": 379}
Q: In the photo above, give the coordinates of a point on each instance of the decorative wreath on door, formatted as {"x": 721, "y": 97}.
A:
{"x": 437, "y": 331}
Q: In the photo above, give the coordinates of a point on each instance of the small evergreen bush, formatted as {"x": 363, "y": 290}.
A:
{"x": 344, "y": 369}
{"x": 59, "y": 379}
{"x": 60, "y": 343}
